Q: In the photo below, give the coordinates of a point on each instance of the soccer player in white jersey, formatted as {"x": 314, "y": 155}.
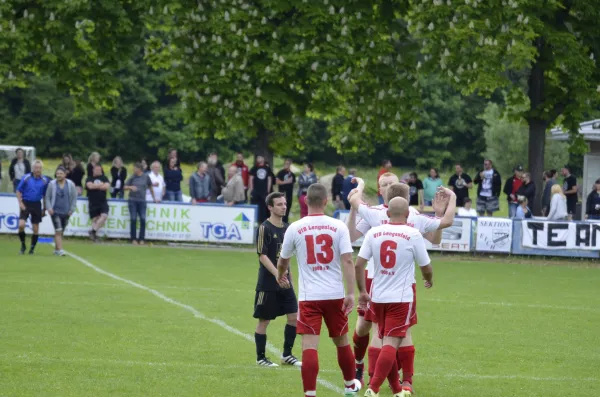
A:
{"x": 444, "y": 205}
{"x": 324, "y": 253}
{"x": 394, "y": 248}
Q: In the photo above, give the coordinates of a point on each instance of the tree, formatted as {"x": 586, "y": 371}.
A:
{"x": 483, "y": 46}
{"x": 251, "y": 69}
{"x": 80, "y": 44}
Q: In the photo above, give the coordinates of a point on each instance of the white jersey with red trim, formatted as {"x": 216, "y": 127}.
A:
{"x": 319, "y": 242}
{"x": 377, "y": 216}
{"x": 394, "y": 249}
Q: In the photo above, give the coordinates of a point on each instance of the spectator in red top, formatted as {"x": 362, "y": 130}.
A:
{"x": 386, "y": 166}
{"x": 511, "y": 187}
{"x": 243, "y": 171}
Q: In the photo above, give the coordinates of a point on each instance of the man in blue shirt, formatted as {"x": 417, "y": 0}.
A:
{"x": 30, "y": 193}
{"x": 347, "y": 187}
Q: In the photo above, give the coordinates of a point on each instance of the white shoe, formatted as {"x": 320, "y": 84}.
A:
{"x": 291, "y": 360}
{"x": 265, "y": 362}
{"x": 353, "y": 391}
{"x": 61, "y": 253}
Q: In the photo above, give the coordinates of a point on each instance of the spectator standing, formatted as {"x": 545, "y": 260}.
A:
{"x": 527, "y": 189}
{"x": 488, "y": 190}
{"x": 137, "y": 186}
{"x": 200, "y": 184}
{"x": 416, "y": 189}
{"x": 216, "y": 177}
{"x": 97, "y": 186}
{"x": 233, "y": 191}
{"x": 173, "y": 178}
{"x": 460, "y": 183}
{"x": 19, "y": 167}
{"x": 145, "y": 168}
{"x": 511, "y": 187}
{"x": 218, "y": 164}
{"x": 523, "y": 211}
{"x": 570, "y": 190}
{"x": 305, "y": 179}
{"x": 592, "y": 208}
{"x": 430, "y": 186}
{"x": 285, "y": 180}
{"x": 93, "y": 159}
{"x": 118, "y": 174}
{"x": 549, "y": 181}
{"x": 466, "y": 209}
{"x": 386, "y": 166}
{"x": 171, "y": 154}
{"x": 337, "y": 186}
{"x": 348, "y": 186}
{"x": 243, "y": 171}
{"x": 558, "y": 205}
{"x": 76, "y": 176}
{"x": 156, "y": 192}
{"x": 67, "y": 163}
{"x": 259, "y": 183}
{"x": 61, "y": 202}
{"x": 30, "y": 194}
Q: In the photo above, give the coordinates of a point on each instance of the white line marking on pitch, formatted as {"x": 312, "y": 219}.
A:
{"x": 28, "y": 358}
{"x": 195, "y": 312}
{"x": 464, "y": 303}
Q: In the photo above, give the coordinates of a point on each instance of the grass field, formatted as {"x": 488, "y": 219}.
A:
{"x": 150, "y": 321}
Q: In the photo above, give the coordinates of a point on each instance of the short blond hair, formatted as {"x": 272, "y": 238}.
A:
{"x": 398, "y": 190}
{"x": 316, "y": 196}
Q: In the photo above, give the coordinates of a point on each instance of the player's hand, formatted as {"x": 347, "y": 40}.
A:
{"x": 284, "y": 282}
{"x": 348, "y": 305}
{"x": 447, "y": 192}
{"x": 22, "y": 206}
{"x": 50, "y": 212}
{"x": 481, "y": 174}
{"x": 363, "y": 300}
{"x": 428, "y": 284}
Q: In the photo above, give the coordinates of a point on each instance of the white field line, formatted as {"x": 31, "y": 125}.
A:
{"x": 40, "y": 359}
{"x": 249, "y": 291}
{"x": 195, "y": 312}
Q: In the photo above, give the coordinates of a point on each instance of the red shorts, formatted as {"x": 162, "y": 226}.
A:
{"x": 393, "y": 319}
{"x": 312, "y": 313}
{"x": 372, "y": 317}
{"x": 368, "y": 283}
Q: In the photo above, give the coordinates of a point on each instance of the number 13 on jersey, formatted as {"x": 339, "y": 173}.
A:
{"x": 319, "y": 249}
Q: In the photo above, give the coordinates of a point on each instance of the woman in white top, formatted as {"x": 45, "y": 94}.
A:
{"x": 558, "y": 205}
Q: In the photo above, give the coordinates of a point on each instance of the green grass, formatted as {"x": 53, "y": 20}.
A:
{"x": 487, "y": 328}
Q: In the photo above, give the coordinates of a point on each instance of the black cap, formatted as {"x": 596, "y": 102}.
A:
{"x": 519, "y": 168}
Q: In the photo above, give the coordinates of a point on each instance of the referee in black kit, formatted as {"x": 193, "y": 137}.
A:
{"x": 272, "y": 301}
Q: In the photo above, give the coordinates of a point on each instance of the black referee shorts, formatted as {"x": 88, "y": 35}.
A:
{"x": 269, "y": 305}
{"x": 33, "y": 209}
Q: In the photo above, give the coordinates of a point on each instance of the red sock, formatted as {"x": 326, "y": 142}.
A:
{"x": 373, "y": 356}
{"x": 310, "y": 371}
{"x": 406, "y": 357}
{"x": 361, "y": 343}
{"x": 394, "y": 379}
{"x": 385, "y": 363}
{"x": 346, "y": 362}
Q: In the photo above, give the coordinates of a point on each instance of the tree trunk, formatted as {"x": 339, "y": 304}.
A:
{"x": 261, "y": 145}
{"x": 537, "y": 145}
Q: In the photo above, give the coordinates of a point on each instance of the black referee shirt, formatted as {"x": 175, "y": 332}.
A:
{"x": 269, "y": 242}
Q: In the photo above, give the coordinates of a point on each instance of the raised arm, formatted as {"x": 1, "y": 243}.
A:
{"x": 351, "y": 223}
{"x": 448, "y": 218}
{"x": 355, "y": 197}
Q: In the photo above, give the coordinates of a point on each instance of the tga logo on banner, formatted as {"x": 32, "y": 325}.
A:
{"x": 11, "y": 222}
{"x": 221, "y": 231}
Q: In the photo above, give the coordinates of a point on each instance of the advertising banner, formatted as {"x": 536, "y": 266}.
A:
{"x": 212, "y": 223}
{"x": 494, "y": 235}
{"x": 561, "y": 235}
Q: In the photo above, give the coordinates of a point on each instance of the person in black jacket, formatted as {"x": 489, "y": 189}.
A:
{"x": 76, "y": 176}
{"x": 527, "y": 190}
{"x": 489, "y": 186}
{"x": 19, "y": 167}
{"x": 592, "y": 208}
{"x": 118, "y": 177}
{"x": 337, "y": 185}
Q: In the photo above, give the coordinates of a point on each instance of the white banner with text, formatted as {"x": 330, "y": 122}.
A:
{"x": 561, "y": 235}
{"x": 211, "y": 223}
{"x": 494, "y": 235}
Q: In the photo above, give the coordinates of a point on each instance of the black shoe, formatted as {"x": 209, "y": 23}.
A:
{"x": 22, "y": 251}
{"x": 359, "y": 374}
{"x": 93, "y": 236}
{"x": 31, "y": 251}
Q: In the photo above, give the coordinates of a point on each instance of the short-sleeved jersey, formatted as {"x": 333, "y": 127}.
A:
{"x": 319, "y": 242}
{"x": 377, "y": 216}
{"x": 394, "y": 249}
{"x": 269, "y": 242}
